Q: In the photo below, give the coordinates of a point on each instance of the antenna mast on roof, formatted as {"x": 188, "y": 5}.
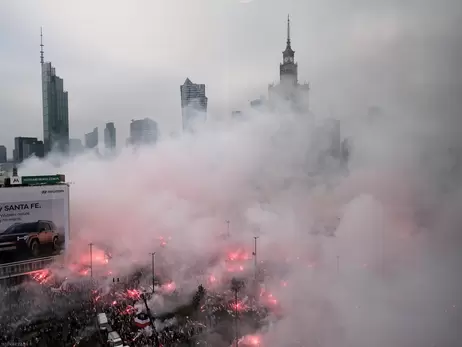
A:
{"x": 41, "y": 46}
{"x": 288, "y": 29}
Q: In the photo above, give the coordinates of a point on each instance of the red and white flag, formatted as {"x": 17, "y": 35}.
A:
{"x": 142, "y": 320}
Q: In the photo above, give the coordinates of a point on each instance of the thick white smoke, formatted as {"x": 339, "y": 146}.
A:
{"x": 388, "y": 275}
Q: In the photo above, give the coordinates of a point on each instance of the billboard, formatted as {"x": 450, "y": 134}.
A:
{"x": 34, "y": 222}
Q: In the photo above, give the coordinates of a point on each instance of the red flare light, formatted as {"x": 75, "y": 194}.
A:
{"x": 237, "y": 268}
{"x": 163, "y": 241}
{"x": 250, "y": 340}
{"x": 129, "y": 310}
{"x": 239, "y": 255}
{"x": 98, "y": 257}
{"x": 238, "y": 306}
{"x": 268, "y": 297}
{"x": 42, "y": 276}
{"x": 133, "y": 294}
{"x": 169, "y": 287}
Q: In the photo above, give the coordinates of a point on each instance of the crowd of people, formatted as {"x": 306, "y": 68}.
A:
{"x": 36, "y": 315}
{"x": 162, "y": 331}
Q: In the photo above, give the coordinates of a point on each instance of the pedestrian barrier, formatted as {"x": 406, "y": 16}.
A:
{"x": 20, "y": 268}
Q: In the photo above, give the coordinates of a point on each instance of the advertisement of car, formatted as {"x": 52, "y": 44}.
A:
{"x": 34, "y": 222}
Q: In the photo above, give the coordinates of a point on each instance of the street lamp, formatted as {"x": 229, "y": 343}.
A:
{"x": 155, "y": 341}
{"x": 153, "y": 263}
{"x": 91, "y": 260}
{"x": 255, "y": 255}
{"x": 227, "y": 222}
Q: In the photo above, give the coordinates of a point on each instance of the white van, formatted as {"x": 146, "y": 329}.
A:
{"x": 114, "y": 340}
{"x": 102, "y": 319}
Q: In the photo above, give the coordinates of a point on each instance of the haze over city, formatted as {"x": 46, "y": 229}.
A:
{"x": 123, "y": 61}
{"x": 325, "y": 214}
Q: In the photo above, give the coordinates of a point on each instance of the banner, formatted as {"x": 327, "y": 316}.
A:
{"x": 34, "y": 222}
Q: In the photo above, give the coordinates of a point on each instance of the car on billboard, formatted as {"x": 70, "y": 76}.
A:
{"x": 34, "y": 222}
{"x": 34, "y": 238}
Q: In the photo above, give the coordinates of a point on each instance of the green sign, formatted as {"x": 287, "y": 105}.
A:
{"x": 35, "y": 180}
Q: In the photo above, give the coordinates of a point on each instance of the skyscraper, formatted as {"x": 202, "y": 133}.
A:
{"x": 25, "y": 147}
{"x": 55, "y": 108}
{"x": 92, "y": 139}
{"x": 3, "y": 156}
{"x": 193, "y": 105}
{"x": 289, "y": 89}
{"x": 143, "y": 132}
{"x": 110, "y": 136}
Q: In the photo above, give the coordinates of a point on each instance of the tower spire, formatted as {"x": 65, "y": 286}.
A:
{"x": 288, "y": 30}
{"x": 41, "y": 46}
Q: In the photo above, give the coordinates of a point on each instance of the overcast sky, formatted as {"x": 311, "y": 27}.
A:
{"x": 123, "y": 60}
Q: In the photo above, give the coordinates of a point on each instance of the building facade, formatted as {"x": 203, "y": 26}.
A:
{"x": 26, "y": 147}
{"x": 193, "y": 105}
{"x": 92, "y": 139}
{"x": 110, "y": 136}
{"x": 289, "y": 92}
{"x": 3, "y": 155}
{"x": 143, "y": 132}
{"x": 55, "y": 109}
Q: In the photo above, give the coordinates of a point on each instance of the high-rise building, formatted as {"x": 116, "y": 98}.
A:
{"x": 193, "y": 105}
{"x": 91, "y": 139}
{"x": 55, "y": 108}
{"x": 110, "y": 136}
{"x": 289, "y": 89}
{"x": 3, "y": 156}
{"x": 25, "y": 147}
{"x": 143, "y": 132}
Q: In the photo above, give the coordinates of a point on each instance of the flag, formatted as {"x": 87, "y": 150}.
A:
{"x": 142, "y": 320}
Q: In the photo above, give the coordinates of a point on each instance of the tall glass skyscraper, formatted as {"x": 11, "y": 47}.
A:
{"x": 143, "y": 132}
{"x": 110, "y": 136}
{"x": 55, "y": 109}
{"x": 193, "y": 105}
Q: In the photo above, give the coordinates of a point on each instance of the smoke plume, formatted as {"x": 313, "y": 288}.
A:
{"x": 370, "y": 252}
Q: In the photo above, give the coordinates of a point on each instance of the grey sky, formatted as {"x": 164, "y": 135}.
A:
{"x": 122, "y": 60}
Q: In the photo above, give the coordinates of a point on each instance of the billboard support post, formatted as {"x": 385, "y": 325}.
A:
{"x": 9, "y": 292}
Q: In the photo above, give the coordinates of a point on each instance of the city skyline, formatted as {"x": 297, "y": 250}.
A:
{"x": 339, "y": 59}
{"x": 194, "y": 105}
